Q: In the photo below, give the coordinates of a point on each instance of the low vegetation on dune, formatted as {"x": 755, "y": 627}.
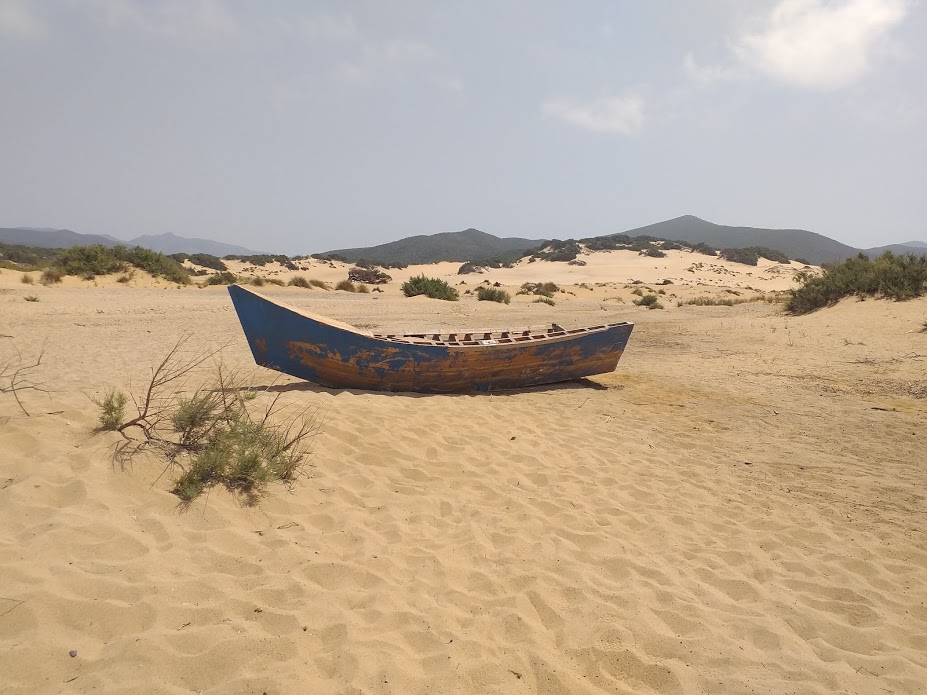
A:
{"x": 493, "y": 294}
{"x": 435, "y": 288}
{"x": 890, "y": 276}
{"x": 206, "y": 260}
{"x": 299, "y": 281}
{"x": 541, "y": 289}
{"x": 90, "y": 261}
{"x": 752, "y": 254}
{"x": 259, "y": 259}
{"x": 369, "y": 276}
{"x": 651, "y": 301}
{"x": 221, "y": 434}
{"x": 25, "y": 258}
{"x": 223, "y": 278}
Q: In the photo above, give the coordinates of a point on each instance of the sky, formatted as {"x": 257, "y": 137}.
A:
{"x": 298, "y": 127}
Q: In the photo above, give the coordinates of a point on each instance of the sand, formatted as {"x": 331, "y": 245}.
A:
{"x": 739, "y": 508}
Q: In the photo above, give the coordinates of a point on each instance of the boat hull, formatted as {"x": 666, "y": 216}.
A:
{"x": 310, "y": 348}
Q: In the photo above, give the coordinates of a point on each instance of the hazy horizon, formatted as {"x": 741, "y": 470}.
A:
{"x": 297, "y": 128}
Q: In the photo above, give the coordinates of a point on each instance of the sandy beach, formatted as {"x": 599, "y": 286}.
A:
{"x": 739, "y": 508}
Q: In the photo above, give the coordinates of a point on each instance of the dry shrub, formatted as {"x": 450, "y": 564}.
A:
{"x": 227, "y": 438}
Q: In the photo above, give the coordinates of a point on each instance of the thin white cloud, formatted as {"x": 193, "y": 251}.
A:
{"x": 378, "y": 59}
{"x": 817, "y": 44}
{"x": 710, "y": 74}
{"x": 613, "y": 115}
{"x": 194, "y": 20}
{"x": 19, "y": 22}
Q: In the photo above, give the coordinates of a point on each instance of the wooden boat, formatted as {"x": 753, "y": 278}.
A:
{"x": 337, "y": 355}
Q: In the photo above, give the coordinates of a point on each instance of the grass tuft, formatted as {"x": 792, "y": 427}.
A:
{"x": 493, "y": 294}
{"x": 541, "y": 289}
{"x": 651, "y": 301}
{"x": 31, "y": 298}
{"x": 434, "y": 288}
{"x": 222, "y": 278}
{"x": 112, "y": 406}
{"x": 299, "y": 281}
{"x": 50, "y": 276}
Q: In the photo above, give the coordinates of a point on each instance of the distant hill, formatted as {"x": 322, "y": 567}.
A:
{"x": 794, "y": 243}
{"x": 171, "y": 243}
{"x": 165, "y": 243}
{"x": 472, "y": 244}
{"x": 52, "y": 238}
{"x": 468, "y": 245}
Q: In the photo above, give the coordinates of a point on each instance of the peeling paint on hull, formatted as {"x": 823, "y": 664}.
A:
{"x": 318, "y": 350}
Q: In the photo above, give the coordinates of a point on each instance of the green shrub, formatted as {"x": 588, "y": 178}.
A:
{"x": 155, "y": 263}
{"x": 369, "y": 276}
{"x": 102, "y": 260}
{"x": 541, "y": 289}
{"x": 96, "y": 259}
{"x": 651, "y": 301}
{"x": 299, "y": 281}
{"x": 346, "y": 286}
{"x": 653, "y": 252}
{"x": 51, "y": 276}
{"x": 112, "y": 409}
{"x": 207, "y": 260}
{"x": 544, "y": 300}
{"x": 889, "y": 277}
{"x": 493, "y": 294}
{"x": 430, "y": 287}
{"x": 746, "y": 256}
{"x": 196, "y": 417}
{"x": 242, "y": 455}
{"x": 704, "y": 248}
{"x": 223, "y": 278}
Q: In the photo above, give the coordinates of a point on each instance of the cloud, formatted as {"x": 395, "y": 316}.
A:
{"x": 18, "y": 21}
{"x": 614, "y": 115}
{"x": 710, "y": 74}
{"x": 194, "y": 20}
{"x": 817, "y": 44}
{"x": 383, "y": 58}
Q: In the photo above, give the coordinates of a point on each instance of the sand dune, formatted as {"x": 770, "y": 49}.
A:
{"x": 739, "y": 508}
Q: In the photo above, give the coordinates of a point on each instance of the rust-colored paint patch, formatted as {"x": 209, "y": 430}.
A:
{"x": 260, "y": 348}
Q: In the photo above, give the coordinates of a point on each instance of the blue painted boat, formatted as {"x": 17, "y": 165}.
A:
{"x": 337, "y": 355}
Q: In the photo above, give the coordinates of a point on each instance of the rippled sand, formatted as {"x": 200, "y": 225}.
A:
{"x": 739, "y": 508}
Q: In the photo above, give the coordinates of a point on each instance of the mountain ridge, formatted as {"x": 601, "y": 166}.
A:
{"x": 164, "y": 243}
